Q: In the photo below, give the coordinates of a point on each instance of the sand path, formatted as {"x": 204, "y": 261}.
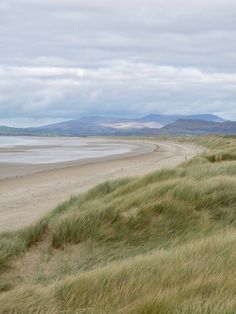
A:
{"x": 27, "y": 198}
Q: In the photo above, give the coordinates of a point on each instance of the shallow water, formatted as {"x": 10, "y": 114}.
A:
{"x": 41, "y": 150}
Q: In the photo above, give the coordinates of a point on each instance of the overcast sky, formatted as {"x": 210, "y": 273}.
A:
{"x": 62, "y": 59}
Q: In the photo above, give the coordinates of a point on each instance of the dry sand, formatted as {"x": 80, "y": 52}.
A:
{"x": 27, "y": 198}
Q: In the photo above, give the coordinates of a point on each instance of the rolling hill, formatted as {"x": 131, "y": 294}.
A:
{"x": 189, "y": 126}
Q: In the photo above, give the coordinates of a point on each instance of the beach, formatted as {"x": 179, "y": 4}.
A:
{"x": 29, "y": 191}
{"x": 26, "y": 155}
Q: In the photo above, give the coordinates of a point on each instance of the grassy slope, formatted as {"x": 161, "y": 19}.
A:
{"x": 162, "y": 243}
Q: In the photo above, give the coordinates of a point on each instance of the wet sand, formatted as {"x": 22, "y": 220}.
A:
{"x": 17, "y": 159}
{"x": 34, "y": 193}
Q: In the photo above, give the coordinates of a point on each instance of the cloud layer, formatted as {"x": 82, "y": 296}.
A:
{"x": 66, "y": 58}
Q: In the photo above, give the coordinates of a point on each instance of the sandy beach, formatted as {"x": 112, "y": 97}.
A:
{"x": 31, "y": 191}
{"x": 25, "y": 155}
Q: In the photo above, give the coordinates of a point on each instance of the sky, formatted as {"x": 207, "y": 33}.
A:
{"x": 63, "y": 59}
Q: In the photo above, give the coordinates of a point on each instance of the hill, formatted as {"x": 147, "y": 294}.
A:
{"x": 190, "y": 126}
{"x": 5, "y": 130}
{"x": 162, "y": 243}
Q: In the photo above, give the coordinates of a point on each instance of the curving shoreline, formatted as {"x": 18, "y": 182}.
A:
{"x": 26, "y": 198}
{"x": 11, "y": 169}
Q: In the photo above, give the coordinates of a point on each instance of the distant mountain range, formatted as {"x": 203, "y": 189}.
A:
{"x": 153, "y": 124}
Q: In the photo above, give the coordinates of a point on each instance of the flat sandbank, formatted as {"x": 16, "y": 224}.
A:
{"x": 38, "y": 189}
{"x": 21, "y": 156}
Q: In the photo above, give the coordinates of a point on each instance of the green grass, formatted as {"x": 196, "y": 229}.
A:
{"x": 161, "y": 243}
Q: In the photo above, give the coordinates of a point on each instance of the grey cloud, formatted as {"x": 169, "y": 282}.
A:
{"x": 61, "y": 58}
{"x": 122, "y": 87}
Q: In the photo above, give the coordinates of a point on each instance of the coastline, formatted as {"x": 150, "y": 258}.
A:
{"x": 14, "y": 170}
{"x": 25, "y": 199}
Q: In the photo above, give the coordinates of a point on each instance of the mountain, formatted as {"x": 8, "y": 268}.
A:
{"x": 204, "y": 117}
{"x": 167, "y": 119}
{"x": 189, "y": 126}
{"x": 103, "y": 124}
{"x": 153, "y": 124}
{"x": 99, "y": 125}
{"x": 76, "y": 127}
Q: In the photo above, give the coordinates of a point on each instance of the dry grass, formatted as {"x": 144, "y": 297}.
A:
{"x": 162, "y": 243}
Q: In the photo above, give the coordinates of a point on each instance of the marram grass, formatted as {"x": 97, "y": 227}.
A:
{"x": 162, "y": 243}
